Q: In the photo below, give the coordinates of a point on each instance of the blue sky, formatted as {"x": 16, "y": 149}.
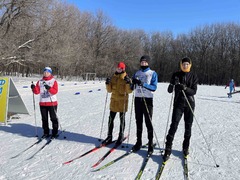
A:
{"x": 178, "y": 16}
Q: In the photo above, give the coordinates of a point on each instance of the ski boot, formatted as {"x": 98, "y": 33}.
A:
{"x": 150, "y": 149}
{"x": 137, "y": 146}
{"x": 185, "y": 152}
{"x": 119, "y": 140}
{"x": 108, "y": 140}
{"x": 44, "y": 136}
{"x": 54, "y": 136}
{"x": 167, "y": 154}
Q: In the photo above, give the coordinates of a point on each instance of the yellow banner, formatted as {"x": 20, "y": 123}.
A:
{"x": 4, "y": 91}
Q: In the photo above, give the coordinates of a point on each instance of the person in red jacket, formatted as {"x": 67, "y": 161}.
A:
{"x": 47, "y": 87}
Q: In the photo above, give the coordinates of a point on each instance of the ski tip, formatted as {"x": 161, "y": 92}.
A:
{"x": 95, "y": 165}
{"x": 29, "y": 158}
{"x": 95, "y": 170}
{"x": 68, "y": 162}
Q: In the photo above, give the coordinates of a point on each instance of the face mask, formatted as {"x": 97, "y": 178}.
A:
{"x": 144, "y": 67}
{"x": 185, "y": 69}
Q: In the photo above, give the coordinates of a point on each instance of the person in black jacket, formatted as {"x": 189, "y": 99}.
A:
{"x": 183, "y": 82}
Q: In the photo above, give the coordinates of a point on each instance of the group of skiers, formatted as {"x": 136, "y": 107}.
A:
{"x": 144, "y": 82}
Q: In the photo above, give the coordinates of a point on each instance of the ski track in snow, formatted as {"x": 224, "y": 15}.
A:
{"x": 81, "y": 116}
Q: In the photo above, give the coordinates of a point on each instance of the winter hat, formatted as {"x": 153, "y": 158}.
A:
{"x": 47, "y": 69}
{"x": 186, "y": 59}
{"x": 121, "y": 65}
{"x": 145, "y": 58}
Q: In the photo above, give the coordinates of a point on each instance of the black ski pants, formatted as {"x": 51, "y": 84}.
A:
{"x": 144, "y": 108}
{"x": 111, "y": 123}
{"x": 51, "y": 110}
{"x": 176, "y": 117}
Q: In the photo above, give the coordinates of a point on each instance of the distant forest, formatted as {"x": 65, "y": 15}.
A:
{"x": 39, "y": 33}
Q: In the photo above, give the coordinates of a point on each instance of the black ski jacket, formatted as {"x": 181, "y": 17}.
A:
{"x": 190, "y": 81}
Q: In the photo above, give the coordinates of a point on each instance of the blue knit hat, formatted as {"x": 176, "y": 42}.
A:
{"x": 47, "y": 69}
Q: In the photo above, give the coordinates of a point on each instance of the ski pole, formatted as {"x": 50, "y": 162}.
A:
{"x": 171, "y": 102}
{"x": 200, "y": 128}
{"x": 144, "y": 100}
{"x": 122, "y": 123}
{"x": 34, "y": 109}
{"x": 130, "y": 118}
{"x": 103, "y": 116}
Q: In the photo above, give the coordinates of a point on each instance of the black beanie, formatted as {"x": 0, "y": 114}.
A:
{"x": 186, "y": 59}
{"x": 145, "y": 58}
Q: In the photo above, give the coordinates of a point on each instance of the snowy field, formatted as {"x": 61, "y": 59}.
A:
{"x": 81, "y": 117}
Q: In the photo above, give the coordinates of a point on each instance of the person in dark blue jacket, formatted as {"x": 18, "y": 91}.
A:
{"x": 145, "y": 82}
{"x": 185, "y": 83}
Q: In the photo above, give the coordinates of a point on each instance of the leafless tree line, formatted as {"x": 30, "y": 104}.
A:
{"x": 38, "y": 33}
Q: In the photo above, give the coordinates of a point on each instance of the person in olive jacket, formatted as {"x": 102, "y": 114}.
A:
{"x": 120, "y": 86}
{"x": 185, "y": 83}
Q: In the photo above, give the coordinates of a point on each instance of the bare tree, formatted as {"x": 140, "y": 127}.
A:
{"x": 53, "y": 33}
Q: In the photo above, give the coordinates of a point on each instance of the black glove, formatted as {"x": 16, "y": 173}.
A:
{"x": 137, "y": 81}
{"x": 170, "y": 88}
{"x": 108, "y": 80}
{"x": 32, "y": 86}
{"x": 127, "y": 79}
{"x": 181, "y": 87}
{"x": 47, "y": 87}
